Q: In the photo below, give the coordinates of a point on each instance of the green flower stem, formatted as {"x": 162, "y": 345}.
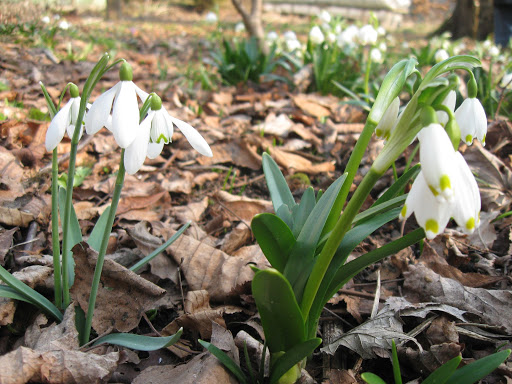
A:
{"x": 342, "y": 226}
{"x": 103, "y": 249}
{"x": 367, "y": 76}
{"x": 351, "y": 169}
{"x": 57, "y": 278}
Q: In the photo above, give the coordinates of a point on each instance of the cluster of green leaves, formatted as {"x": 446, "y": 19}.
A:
{"x": 448, "y": 372}
{"x": 243, "y": 60}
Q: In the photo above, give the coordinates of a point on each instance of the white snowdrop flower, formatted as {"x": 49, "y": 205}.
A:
{"x": 324, "y": 16}
{"x": 381, "y": 31}
{"x": 239, "y": 27}
{"x": 45, "y": 19}
{"x": 506, "y": 81}
{"x": 64, "y": 25}
{"x": 367, "y": 35}
{"x": 348, "y": 36}
{"x": 494, "y": 51}
{"x": 472, "y": 121}
{"x": 486, "y": 44}
{"x": 56, "y": 17}
{"x": 376, "y": 55}
{"x": 316, "y": 35}
{"x": 337, "y": 29}
{"x": 293, "y": 45}
{"x": 441, "y": 55}
{"x": 388, "y": 120}
{"x": 383, "y": 47}
{"x": 272, "y": 36}
{"x": 121, "y": 99}
{"x": 64, "y": 121}
{"x": 431, "y": 213}
{"x": 155, "y": 131}
{"x": 436, "y": 158}
{"x": 448, "y": 101}
{"x": 446, "y": 45}
{"x": 331, "y": 37}
{"x": 405, "y": 45}
{"x": 211, "y": 18}
{"x": 290, "y": 35}
{"x": 466, "y": 210}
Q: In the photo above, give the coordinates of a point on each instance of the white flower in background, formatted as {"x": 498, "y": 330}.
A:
{"x": 272, "y": 37}
{"x": 324, "y": 16}
{"x": 441, "y": 55}
{"x": 383, "y": 47}
{"x": 316, "y": 35}
{"x": 121, "y": 99}
{"x": 239, "y": 27}
{"x": 472, "y": 121}
{"x": 45, "y": 19}
{"x": 487, "y": 44}
{"x": 405, "y": 45}
{"x": 494, "y": 51}
{"x": 367, "y": 35}
{"x": 56, "y": 17}
{"x": 436, "y": 158}
{"x": 506, "y": 81}
{"x": 331, "y": 37}
{"x": 211, "y": 18}
{"x": 292, "y": 45}
{"x": 290, "y": 35}
{"x": 388, "y": 120}
{"x": 337, "y": 29}
{"x": 348, "y": 36}
{"x": 381, "y": 31}
{"x": 448, "y": 101}
{"x": 155, "y": 131}
{"x": 64, "y": 121}
{"x": 64, "y": 25}
{"x": 376, "y": 55}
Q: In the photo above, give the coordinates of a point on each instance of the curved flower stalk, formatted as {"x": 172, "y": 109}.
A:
{"x": 449, "y": 102}
{"x": 64, "y": 121}
{"x": 121, "y": 99}
{"x": 155, "y": 131}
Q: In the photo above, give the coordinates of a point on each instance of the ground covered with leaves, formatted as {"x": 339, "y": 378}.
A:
{"x": 452, "y": 294}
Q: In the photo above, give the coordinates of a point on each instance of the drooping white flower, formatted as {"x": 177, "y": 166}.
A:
{"x": 431, "y": 213}
{"x": 376, "y": 55}
{"x": 348, "y": 36}
{"x": 239, "y": 27}
{"x": 121, "y": 99}
{"x": 441, "y": 55}
{"x": 472, "y": 121}
{"x": 381, "y": 31}
{"x": 290, "y": 35}
{"x": 316, "y": 36}
{"x": 436, "y": 158}
{"x": 211, "y": 17}
{"x": 45, "y": 19}
{"x": 64, "y": 121}
{"x": 448, "y": 101}
{"x": 367, "y": 35}
{"x": 330, "y": 37}
{"x": 494, "y": 51}
{"x": 324, "y": 17}
{"x": 292, "y": 45}
{"x": 272, "y": 36}
{"x": 388, "y": 120}
{"x": 64, "y": 25}
{"x": 506, "y": 81}
{"x": 466, "y": 210}
{"x": 155, "y": 131}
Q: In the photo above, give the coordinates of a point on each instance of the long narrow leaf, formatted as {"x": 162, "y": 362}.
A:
{"x": 382, "y": 207}
{"x": 139, "y": 342}
{"x": 31, "y": 295}
{"x": 398, "y": 185}
{"x": 10, "y": 293}
{"x": 99, "y": 229}
{"x": 74, "y": 234}
{"x": 293, "y": 356}
{"x": 372, "y": 378}
{"x": 479, "y": 369}
{"x": 225, "y": 360}
{"x": 443, "y": 373}
{"x": 278, "y": 187}
{"x": 301, "y": 211}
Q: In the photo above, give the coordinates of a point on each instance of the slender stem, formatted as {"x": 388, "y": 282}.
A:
{"x": 103, "y": 249}
{"x": 334, "y": 240}
{"x": 367, "y": 76}
{"x": 57, "y": 278}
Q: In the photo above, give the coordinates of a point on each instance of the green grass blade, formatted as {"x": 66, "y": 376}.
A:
{"x": 139, "y": 342}
{"x": 479, "y": 369}
{"x": 396, "y": 365}
{"x": 371, "y": 378}
{"x": 10, "y": 293}
{"x": 226, "y": 361}
{"x": 443, "y": 373}
{"x": 278, "y": 187}
{"x": 99, "y": 229}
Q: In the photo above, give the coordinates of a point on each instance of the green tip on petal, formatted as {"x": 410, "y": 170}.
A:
{"x": 483, "y": 140}
{"x": 403, "y": 212}
{"x": 125, "y": 72}
{"x": 445, "y": 183}
{"x": 428, "y": 116}
{"x": 432, "y": 226}
{"x": 469, "y": 139}
{"x": 73, "y": 90}
{"x": 470, "y": 224}
{"x": 433, "y": 190}
{"x": 156, "y": 102}
{"x": 163, "y": 138}
{"x": 378, "y": 132}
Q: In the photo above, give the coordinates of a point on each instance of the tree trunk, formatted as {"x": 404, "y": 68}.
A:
{"x": 113, "y": 10}
{"x": 252, "y": 20}
{"x": 470, "y": 18}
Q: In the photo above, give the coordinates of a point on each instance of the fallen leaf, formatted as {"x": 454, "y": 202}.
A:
{"x": 6, "y": 241}
{"x": 241, "y": 207}
{"x": 311, "y": 105}
{"x": 279, "y": 125}
{"x": 178, "y": 182}
{"x": 238, "y": 237}
{"x": 14, "y": 217}
{"x": 237, "y": 152}
{"x": 11, "y": 176}
{"x": 131, "y": 294}
{"x": 297, "y": 163}
{"x": 191, "y": 212}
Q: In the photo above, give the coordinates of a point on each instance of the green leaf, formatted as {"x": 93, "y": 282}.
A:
{"x": 280, "y": 314}
{"x": 30, "y": 295}
{"x": 443, "y": 373}
{"x": 371, "y": 378}
{"x": 160, "y": 249}
{"x": 378, "y": 209}
{"x": 292, "y": 357}
{"x": 396, "y": 365}
{"x": 274, "y": 238}
{"x": 301, "y": 211}
{"x": 278, "y": 187}
{"x": 139, "y": 342}
{"x": 74, "y": 233}
{"x": 10, "y": 293}
{"x": 98, "y": 231}
{"x": 479, "y": 369}
{"x": 455, "y": 62}
{"x": 225, "y": 360}
{"x": 398, "y": 185}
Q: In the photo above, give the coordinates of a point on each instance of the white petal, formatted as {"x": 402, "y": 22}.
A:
{"x": 194, "y": 138}
{"x": 388, "y": 119}
{"x": 449, "y": 101}
{"x": 99, "y": 112}
{"x": 155, "y": 149}
{"x": 143, "y": 95}
{"x": 73, "y": 114}
{"x": 472, "y": 121}
{"x": 135, "y": 153}
{"x": 467, "y": 197}
{"x": 125, "y": 115}
{"x": 159, "y": 129}
{"x": 58, "y": 127}
{"x": 436, "y": 158}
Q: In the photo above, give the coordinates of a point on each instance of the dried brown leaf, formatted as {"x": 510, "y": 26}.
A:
{"x": 122, "y": 295}
{"x": 277, "y": 125}
{"x": 191, "y": 212}
{"x": 241, "y": 207}
{"x": 311, "y": 105}
{"x": 297, "y": 163}
{"x": 6, "y": 240}
{"x": 7, "y": 310}
{"x": 11, "y": 175}
{"x": 14, "y": 217}
{"x": 179, "y": 182}
{"x": 237, "y": 152}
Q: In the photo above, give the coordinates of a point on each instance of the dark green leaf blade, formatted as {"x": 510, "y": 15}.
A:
{"x": 371, "y": 378}
{"x": 443, "y": 373}
{"x": 479, "y": 369}
{"x": 225, "y": 360}
{"x": 139, "y": 342}
{"x": 99, "y": 229}
{"x": 278, "y": 187}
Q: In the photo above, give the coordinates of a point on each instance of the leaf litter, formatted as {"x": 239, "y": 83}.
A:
{"x": 452, "y": 299}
